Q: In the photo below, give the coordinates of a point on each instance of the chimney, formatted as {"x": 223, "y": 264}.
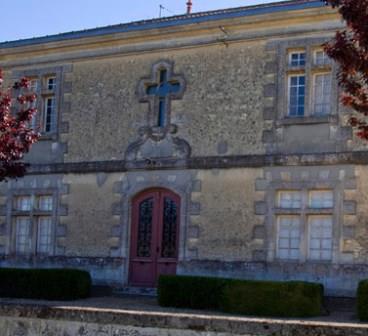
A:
{"x": 189, "y": 7}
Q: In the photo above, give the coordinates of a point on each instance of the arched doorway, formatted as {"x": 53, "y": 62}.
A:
{"x": 154, "y": 236}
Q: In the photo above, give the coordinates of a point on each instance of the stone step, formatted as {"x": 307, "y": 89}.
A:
{"x": 136, "y": 291}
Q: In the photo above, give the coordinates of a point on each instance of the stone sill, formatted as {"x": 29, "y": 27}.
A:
{"x": 48, "y": 137}
{"x": 308, "y": 120}
{"x": 308, "y": 211}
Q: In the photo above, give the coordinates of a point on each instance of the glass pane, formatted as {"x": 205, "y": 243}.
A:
{"x": 23, "y": 203}
{"x": 49, "y": 115}
{"x": 290, "y": 199}
{"x": 322, "y": 94}
{"x": 289, "y": 237}
{"x": 145, "y": 228}
{"x": 296, "y": 95}
{"x": 169, "y": 230}
{"x": 23, "y": 235}
{"x": 44, "y": 235}
{"x": 321, "y": 199}
{"x": 297, "y": 59}
{"x": 45, "y": 203}
{"x": 51, "y": 83}
{"x": 320, "y": 241}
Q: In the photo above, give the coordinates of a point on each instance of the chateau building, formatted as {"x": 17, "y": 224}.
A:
{"x": 205, "y": 144}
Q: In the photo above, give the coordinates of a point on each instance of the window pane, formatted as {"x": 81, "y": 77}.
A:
{"x": 322, "y": 94}
{"x": 296, "y": 95}
{"x": 289, "y": 237}
{"x": 297, "y": 59}
{"x": 321, "y": 58}
{"x": 51, "y": 83}
{"x": 321, "y": 199}
{"x": 33, "y": 85}
{"x": 320, "y": 237}
{"x": 49, "y": 115}
{"x": 45, "y": 203}
{"x": 23, "y": 235}
{"x": 290, "y": 199}
{"x": 44, "y": 235}
{"x": 23, "y": 203}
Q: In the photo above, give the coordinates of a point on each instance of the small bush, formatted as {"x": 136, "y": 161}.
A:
{"x": 260, "y": 298}
{"x": 270, "y": 298}
{"x": 362, "y": 300}
{"x": 190, "y": 291}
{"x": 48, "y": 284}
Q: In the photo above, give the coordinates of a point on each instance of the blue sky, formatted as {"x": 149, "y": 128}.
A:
{"x": 31, "y": 18}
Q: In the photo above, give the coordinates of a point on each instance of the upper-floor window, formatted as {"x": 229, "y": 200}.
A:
{"x": 322, "y": 94}
{"x": 51, "y": 83}
{"x": 49, "y": 115}
{"x": 289, "y": 199}
{"x": 297, "y": 95}
{"x": 297, "y": 59}
{"x": 321, "y": 58}
{"x": 33, "y": 85}
{"x": 309, "y": 83}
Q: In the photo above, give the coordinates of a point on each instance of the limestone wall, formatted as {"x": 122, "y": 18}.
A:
{"x": 35, "y": 319}
{"x": 220, "y": 113}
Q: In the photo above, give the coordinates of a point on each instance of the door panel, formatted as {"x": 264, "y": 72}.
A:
{"x": 154, "y": 236}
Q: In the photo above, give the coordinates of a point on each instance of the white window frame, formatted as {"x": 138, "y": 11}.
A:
{"x": 299, "y": 59}
{"x": 289, "y": 87}
{"x": 279, "y": 198}
{"x": 325, "y": 59}
{"x": 278, "y": 248}
{"x": 309, "y": 225}
{"x": 304, "y": 212}
{"x": 314, "y": 96}
{"x": 50, "y": 87}
{"x": 52, "y": 115}
{"x": 35, "y": 213}
{"x": 310, "y": 199}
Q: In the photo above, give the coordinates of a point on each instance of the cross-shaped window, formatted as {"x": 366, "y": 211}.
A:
{"x": 162, "y": 93}
{"x": 159, "y": 91}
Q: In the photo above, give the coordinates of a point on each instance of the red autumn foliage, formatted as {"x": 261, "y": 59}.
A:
{"x": 349, "y": 49}
{"x": 17, "y": 108}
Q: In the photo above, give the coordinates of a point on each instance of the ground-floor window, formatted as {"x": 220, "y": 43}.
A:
{"x": 32, "y": 220}
{"x": 304, "y": 220}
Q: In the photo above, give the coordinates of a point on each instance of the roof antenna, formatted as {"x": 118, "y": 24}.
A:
{"x": 189, "y": 7}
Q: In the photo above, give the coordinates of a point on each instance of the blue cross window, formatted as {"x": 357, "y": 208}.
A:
{"x": 162, "y": 93}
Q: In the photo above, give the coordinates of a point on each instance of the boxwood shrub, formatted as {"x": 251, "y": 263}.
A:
{"x": 48, "y": 284}
{"x": 248, "y": 297}
{"x": 362, "y": 300}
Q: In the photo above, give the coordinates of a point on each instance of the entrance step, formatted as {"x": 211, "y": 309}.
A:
{"x": 136, "y": 291}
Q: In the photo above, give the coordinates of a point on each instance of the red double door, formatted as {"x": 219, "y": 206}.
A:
{"x": 154, "y": 236}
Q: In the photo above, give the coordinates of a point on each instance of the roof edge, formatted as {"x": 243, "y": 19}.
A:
{"x": 171, "y": 21}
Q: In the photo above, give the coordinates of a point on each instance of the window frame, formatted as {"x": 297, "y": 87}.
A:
{"x": 278, "y": 219}
{"x": 313, "y": 94}
{"x": 34, "y": 214}
{"x": 309, "y": 238}
{"x": 289, "y": 87}
{"x": 304, "y": 212}
{"x": 309, "y": 69}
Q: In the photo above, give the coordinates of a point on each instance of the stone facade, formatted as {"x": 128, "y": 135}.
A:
{"x": 197, "y": 105}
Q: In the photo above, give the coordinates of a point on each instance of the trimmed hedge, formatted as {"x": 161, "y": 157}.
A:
{"x": 48, "y": 284}
{"x": 248, "y": 297}
{"x": 362, "y": 300}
